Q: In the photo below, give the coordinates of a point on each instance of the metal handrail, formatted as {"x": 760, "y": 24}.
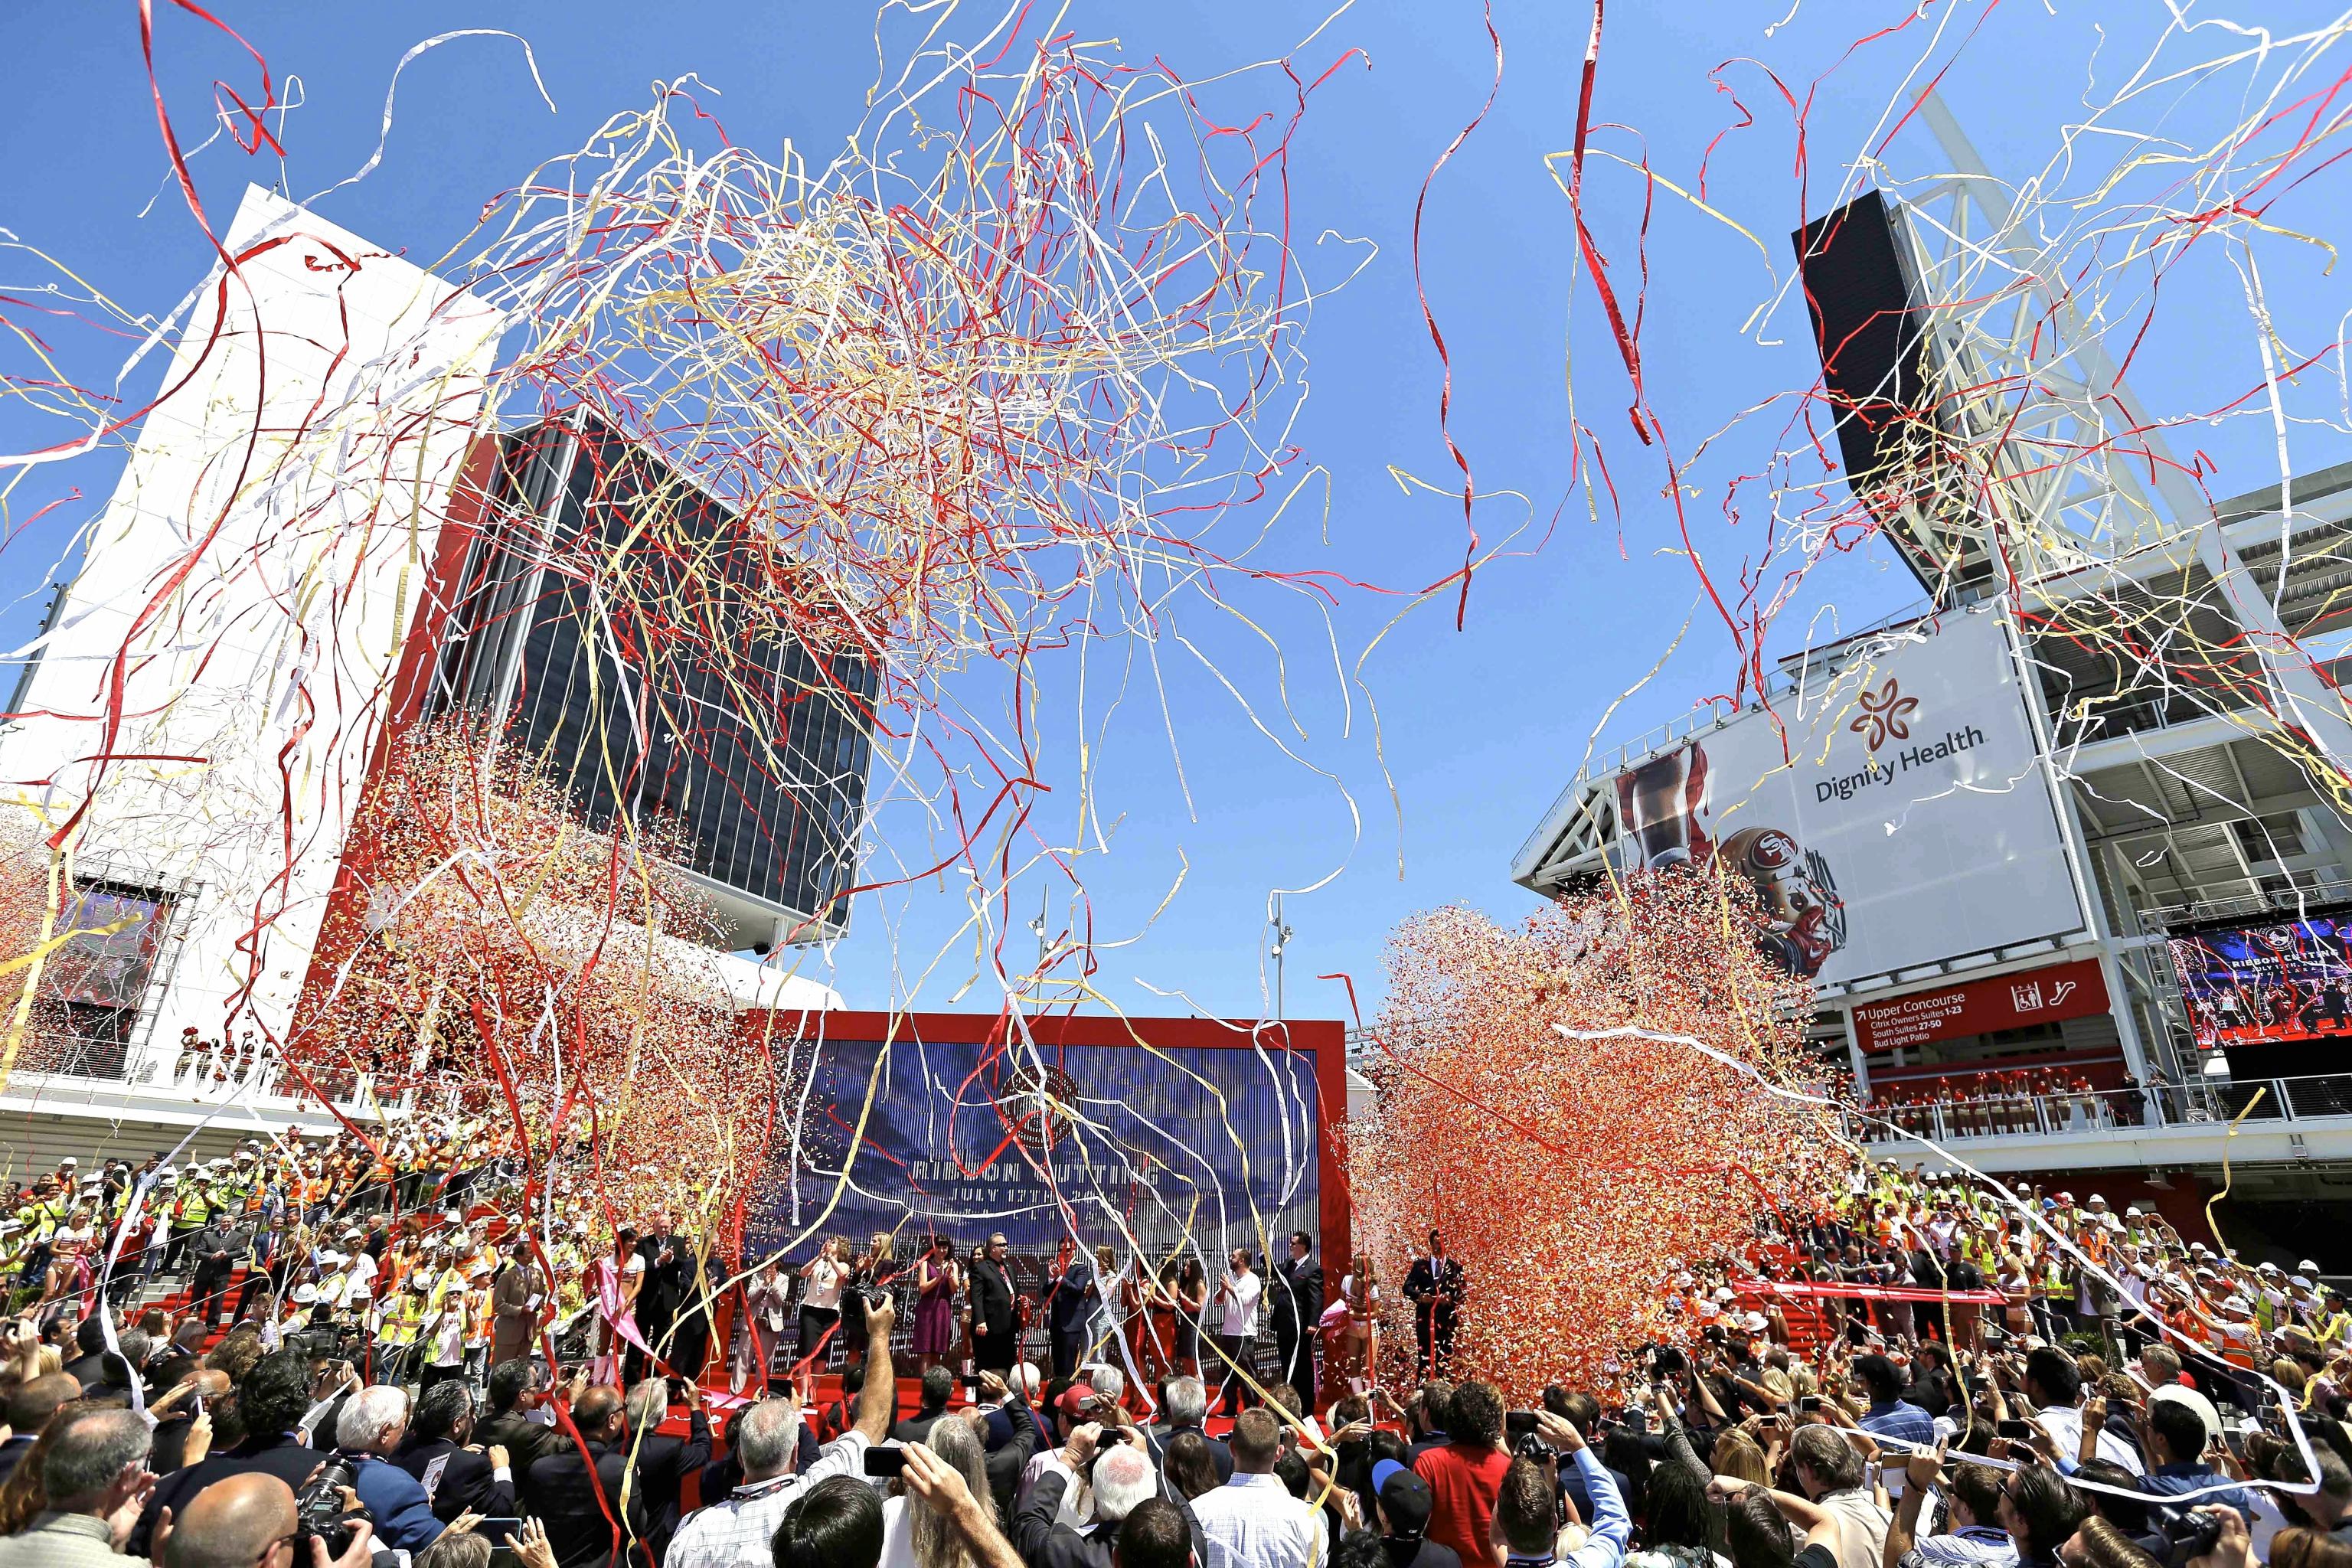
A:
{"x": 2202, "y": 1103}
{"x": 63, "y": 1069}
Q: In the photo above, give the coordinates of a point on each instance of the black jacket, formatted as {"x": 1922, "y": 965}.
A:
{"x": 1296, "y": 1295}
{"x": 1007, "y": 1459}
{"x": 526, "y": 1441}
{"x": 457, "y": 1481}
{"x": 90, "y": 1371}
{"x": 991, "y": 1297}
{"x": 229, "y": 1241}
{"x": 1045, "y": 1543}
{"x": 565, "y": 1494}
{"x": 663, "y": 1465}
{"x": 1434, "y": 1285}
{"x": 1156, "y": 1438}
{"x": 279, "y": 1456}
{"x": 914, "y": 1428}
{"x": 1422, "y": 1553}
{"x": 666, "y": 1283}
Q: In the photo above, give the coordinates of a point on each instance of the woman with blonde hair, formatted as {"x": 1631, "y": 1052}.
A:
{"x": 916, "y": 1535}
{"x": 1736, "y": 1454}
{"x": 1356, "y": 1326}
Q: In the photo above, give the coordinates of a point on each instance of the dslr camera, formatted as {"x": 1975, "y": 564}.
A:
{"x": 318, "y": 1509}
{"x": 2189, "y": 1535}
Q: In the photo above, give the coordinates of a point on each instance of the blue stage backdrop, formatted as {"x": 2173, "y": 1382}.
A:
{"x": 943, "y": 1130}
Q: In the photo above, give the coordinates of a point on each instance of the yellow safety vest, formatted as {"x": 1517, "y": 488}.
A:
{"x": 402, "y": 1317}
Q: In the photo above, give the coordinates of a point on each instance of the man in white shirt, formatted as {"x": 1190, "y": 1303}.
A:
{"x": 2055, "y": 1385}
{"x": 1253, "y": 1521}
{"x": 1235, "y": 1308}
{"x": 735, "y": 1531}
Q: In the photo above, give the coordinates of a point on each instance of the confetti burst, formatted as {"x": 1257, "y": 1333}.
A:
{"x": 1572, "y": 1177}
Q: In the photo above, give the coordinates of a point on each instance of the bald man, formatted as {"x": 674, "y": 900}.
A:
{"x": 563, "y": 1490}
{"x": 249, "y": 1521}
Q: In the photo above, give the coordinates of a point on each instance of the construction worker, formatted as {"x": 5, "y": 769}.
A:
{"x": 191, "y": 1210}
{"x": 399, "y": 1321}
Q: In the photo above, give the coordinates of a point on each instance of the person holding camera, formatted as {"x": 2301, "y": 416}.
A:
{"x": 367, "y": 1434}
{"x": 252, "y": 1519}
{"x": 737, "y": 1528}
{"x": 1118, "y": 1473}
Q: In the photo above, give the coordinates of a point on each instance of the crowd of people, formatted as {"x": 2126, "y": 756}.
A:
{"x": 1992, "y": 1103}
{"x": 1917, "y": 1374}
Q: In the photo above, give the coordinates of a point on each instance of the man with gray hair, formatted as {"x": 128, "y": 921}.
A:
{"x": 735, "y": 1531}
{"x": 1183, "y": 1408}
{"x": 96, "y": 1476}
{"x": 368, "y": 1433}
{"x": 1120, "y": 1476}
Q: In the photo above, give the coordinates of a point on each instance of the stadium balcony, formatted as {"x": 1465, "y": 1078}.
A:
{"x": 2244, "y": 1122}
{"x": 70, "y": 1094}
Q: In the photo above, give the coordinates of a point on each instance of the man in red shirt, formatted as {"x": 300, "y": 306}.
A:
{"x": 1466, "y": 1475}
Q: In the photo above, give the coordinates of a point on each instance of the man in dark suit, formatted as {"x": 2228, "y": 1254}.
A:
{"x": 216, "y": 1248}
{"x": 272, "y": 1401}
{"x": 569, "y": 1498}
{"x": 939, "y": 1385}
{"x": 993, "y": 1335}
{"x": 518, "y": 1387}
{"x": 1184, "y": 1402}
{"x": 1069, "y": 1302}
{"x": 437, "y": 1453}
{"x": 265, "y": 1258}
{"x": 664, "y": 1462}
{"x": 690, "y": 1344}
{"x": 89, "y": 1368}
{"x": 514, "y": 1303}
{"x": 669, "y": 1262}
{"x": 561, "y": 1492}
{"x": 1434, "y": 1286}
{"x": 1297, "y": 1294}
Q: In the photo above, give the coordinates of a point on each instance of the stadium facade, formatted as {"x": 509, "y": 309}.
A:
{"x": 2074, "y": 818}
{"x": 205, "y": 734}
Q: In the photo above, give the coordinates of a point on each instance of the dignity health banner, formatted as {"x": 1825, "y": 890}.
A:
{"x": 1185, "y": 1147}
{"x": 1897, "y": 812}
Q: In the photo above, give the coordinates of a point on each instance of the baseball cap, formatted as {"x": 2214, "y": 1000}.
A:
{"x": 1076, "y": 1399}
{"x": 1404, "y": 1499}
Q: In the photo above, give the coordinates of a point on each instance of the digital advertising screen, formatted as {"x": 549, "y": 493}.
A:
{"x": 2267, "y": 983}
{"x": 1185, "y": 1136}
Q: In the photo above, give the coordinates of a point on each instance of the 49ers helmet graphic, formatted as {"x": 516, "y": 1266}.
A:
{"x": 1804, "y": 917}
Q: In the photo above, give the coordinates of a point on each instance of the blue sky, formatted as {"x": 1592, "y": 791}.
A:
{"x": 1482, "y": 726}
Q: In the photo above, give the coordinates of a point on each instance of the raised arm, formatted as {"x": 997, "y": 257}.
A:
{"x": 878, "y": 1403}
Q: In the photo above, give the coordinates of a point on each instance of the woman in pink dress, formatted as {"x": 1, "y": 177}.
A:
{"x": 935, "y": 1293}
{"x": 613, "y": 1281}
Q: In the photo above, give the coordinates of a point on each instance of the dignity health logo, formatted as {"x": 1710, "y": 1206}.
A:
{"x": 1885, "y": 713}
